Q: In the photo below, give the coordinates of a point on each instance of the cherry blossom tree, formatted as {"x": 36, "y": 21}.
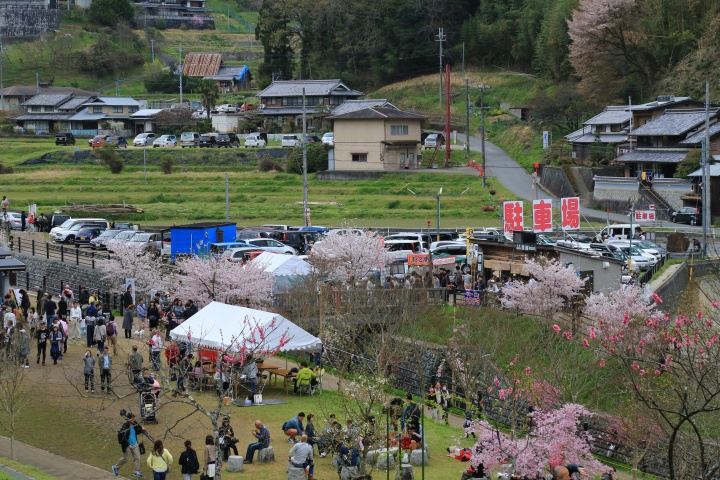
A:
{"x": 206, "y": 280}
{"x": 342, "y": 257}
{"x": 557, "y": 436}
{"x": 128, "y": 261}
{"x": 672, "y": 365}
{"x": 628, "y": 301}
{"x": 551, "y": 286}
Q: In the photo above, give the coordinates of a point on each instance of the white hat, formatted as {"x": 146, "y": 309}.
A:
{"x": 23, "y": 331}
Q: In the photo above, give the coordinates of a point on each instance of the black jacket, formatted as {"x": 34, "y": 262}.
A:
{"x": 125, "y": 431}
{"x": 127, "y": 299}
{"x": 189, "y": 462}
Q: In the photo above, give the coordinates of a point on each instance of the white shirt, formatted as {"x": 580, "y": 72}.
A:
{"x": 9, "y": 318}
{"x": 157, "y": 343}
{"x": 76, "y": 312}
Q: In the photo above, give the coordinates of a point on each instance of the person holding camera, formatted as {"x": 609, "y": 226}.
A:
{"x": 263, "y": 441}
{"x": 226, "y": 438}
{"x": 301, "y": 456}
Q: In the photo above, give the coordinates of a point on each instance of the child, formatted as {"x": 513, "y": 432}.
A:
{"x": 33, "y": 321}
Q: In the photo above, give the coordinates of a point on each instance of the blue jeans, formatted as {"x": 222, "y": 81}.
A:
{"x": 252, "y": 386}
{"x": 303, "y": 465}
{"x": 252, "y": 448}
{"x": 159, "y": 475}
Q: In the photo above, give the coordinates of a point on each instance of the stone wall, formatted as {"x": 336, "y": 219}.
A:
{"x": 53, "y": 275}
{"x": 23, "y": 20}
{"x": 556, "y": 182}
{"x": 588, "y": 174}
{"x": 346, "y": 175}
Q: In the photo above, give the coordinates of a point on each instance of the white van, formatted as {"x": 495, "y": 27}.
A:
{"x": 290, "y": 141}
{"x": 400, "y": 249}
{"x": 68, "y": 224}
{"x": 621, "y": 231}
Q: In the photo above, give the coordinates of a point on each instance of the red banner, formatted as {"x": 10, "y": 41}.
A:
{"x": 419, "y": 259}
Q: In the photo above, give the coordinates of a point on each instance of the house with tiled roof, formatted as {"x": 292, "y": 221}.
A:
{"x": 49, "y": 112}
{"x": 211, "y": 66}
{"x": 104, "y": 109}
{"x": 282, "y": 100}
{"x": 13, "y": 97}
{"x": 610, "y": 127}
{"x": 376, "y": 138}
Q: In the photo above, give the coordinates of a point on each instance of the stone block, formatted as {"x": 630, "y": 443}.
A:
{"x": 266, "y": 454}
{"x": 385, "y": 461}
{"x": 347, "y": 473}
{"x": 406, "y": 472}
{"x": 235, "y": 463}
{"x": 416, "y": 457}
{"x": 296, "y": 473}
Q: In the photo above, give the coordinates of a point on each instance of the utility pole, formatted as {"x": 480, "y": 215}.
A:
{"x": 706, "y": 213}
{"x": 440, "y": 37}
{"x": 2, "y": 94}
{"x": 447, "y": 116}
{"x": 463, "y": 60}
{"x": 467, "y": 112}
{"x": 227, "y": 199}
{"x": 482, "y": 88}
{"x": 117, "y": 86}
{"x": 152, "y": 49}
{"x": 37, "y": 82}
{"x": 304, "y": 165}
{"x": 180, "y": 56}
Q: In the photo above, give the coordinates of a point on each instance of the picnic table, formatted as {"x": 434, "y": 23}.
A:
{"x": 286, "y": 374}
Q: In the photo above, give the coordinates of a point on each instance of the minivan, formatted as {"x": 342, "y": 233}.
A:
{"x": 256, "y": 139}
{"x": 71, "y": 222}
{"x": 189, "y": 139}
{"x": 400, "y": 249}
{"x": 290, "y": 141}
{"x": 144, "y": 139}
{"x": 621, "y": 231}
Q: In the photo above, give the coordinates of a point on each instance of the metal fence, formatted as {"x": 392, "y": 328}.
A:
{"x": 61, "y": 253}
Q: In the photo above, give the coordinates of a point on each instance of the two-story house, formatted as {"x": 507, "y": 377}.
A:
{"x": 610, "y": 127}
{"x": 105, "y": 109}
{"x": 175, "y": 13}
{"x": 211, "y": 66}
{"x": 376, "y": 138}
{"x": 49, "y": 112}
{"x": 283, "y": 100}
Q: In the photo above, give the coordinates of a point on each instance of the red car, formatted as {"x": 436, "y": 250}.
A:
{"x": 98, "y": 141}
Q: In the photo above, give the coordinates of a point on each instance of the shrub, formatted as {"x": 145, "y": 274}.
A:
{"x": 268, "y": 164}
{"x": 394, "y": 204}
{"x": 160, "y": 24}
{"x": 167, "y": 165}
{"x": 317, "y": 159}
{"x": 109, "y": 156}
{"x": 5, "y": 169}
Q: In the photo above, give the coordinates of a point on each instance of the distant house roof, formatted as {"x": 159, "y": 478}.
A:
{"x": 378, "y": 113}
{"x": 114, "y": 101}
{"x": 84, "y": 115}
{"x": 146, "y": 113}
{"x": 674, "y": 122}
{"x": 31, "y": 91}
{"x": 699, "y": 137}
{"x": 612, "y": 115}
{"x": 664, "y": 101}
{"x": 353, "y": 105}
{"x": 201, "y": 64}
{"x": 714, "y": 171}
{"x": 313, "y": 88}
{"x": 48, "y": 99}
{"x": 653, "y": 156}
{"x": 585, "y": 135}
{"x": 74, "y": 103}
{"x": 42, "y": 117}
{"x": 229, "y": 73}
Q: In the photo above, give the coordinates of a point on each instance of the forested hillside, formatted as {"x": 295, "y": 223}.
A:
{"x": 612, "y": 48}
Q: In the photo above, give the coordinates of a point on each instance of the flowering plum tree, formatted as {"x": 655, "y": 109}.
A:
{"x": 340, "y": 257}
{"x": 128, "y": 261}
{"x": 207, "y": 280}
{"x": 551, "y": 286}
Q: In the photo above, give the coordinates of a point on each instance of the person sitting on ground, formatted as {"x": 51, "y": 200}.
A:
{"x": 263, "y": 441}
{"x": 473, "y": 472}
{"x": 305, "y": 378}
{"x": 294, "y": 427}
{"x": 301, "y": 456}
{"x": 329, "y": 440}
{"x": 226, "y": 438}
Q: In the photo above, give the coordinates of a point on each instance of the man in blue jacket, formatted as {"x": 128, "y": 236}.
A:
{"x": 294, "y": 427}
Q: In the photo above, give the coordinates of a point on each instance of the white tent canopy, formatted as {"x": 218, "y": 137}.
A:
{"x": 223, "y": 326}
{"x": 283, "y": 264}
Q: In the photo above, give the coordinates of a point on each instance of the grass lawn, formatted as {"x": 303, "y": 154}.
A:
{"x": 24, "y": 469}
{"x": 89, "y": 423}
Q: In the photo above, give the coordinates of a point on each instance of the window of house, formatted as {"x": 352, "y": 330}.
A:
{"x": 359, "y": 157}
{"x": 132, "y": 109}
{"x": 97, "y": 109}
{"x": 117, "y": 109}
{"x": 398, "y": 129}
{"x": 336, "y": 100}
{"x": 35, "y": 109}
{"x": 615, "y": 127}
{"x": 298, "y": 101}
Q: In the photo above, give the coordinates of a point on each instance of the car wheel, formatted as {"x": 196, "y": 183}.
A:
{"x": 70, "y": 239}
{"x": 693, "y": 222}
{"x": 674, "y": 219}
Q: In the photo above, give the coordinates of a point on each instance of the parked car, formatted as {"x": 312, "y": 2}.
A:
{"x": 217, "y": 249}
{"x": 257, "y": 139}
{"x": 118, "y": 142}
{"x": 145, "y": 241}
{"x": 15, "y": 220}
{"x": 271, "y": 245}
{"x": 58, "y": 219}
{"x": 434, "y": 140}
{"x": 189, "y": 139}
{"x": 99, "y": 242}
{"x": 98, "y": 141}
{"x": 208, "y": 140}
{"x": 328, "y": 139}
{"x": 200, "y": 114}
{"x": 64, "y": 139}
{"x": 165, "y": 141}
{"x": 144, "y": 139}
{"x": 241, "y": 254}
{"x": 312, "y": 139}
{"x": 227, "y": 108}
{"x": 227, "y": 140}
{"x": 85, "y": 235}
{"x": 71, "y": 222}
{"x": 121, "y": 237}
{"x": 68, "y": 235}
{"x": 290, "y": 141}
{"x": 645, "y": 249}
{"x": 690, "y": 215}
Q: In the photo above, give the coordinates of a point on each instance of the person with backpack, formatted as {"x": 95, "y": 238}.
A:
{"x": 111, "y": 330}
{"x": 100, "y": 335}
{"x": 159, "y": 461}
{"x": 56, "y": 339}
{"x": 129, "y": 443}
{"x": 105, "y": 363}
{"x": 189, "y": 463}
{"x": 42, "y": 335}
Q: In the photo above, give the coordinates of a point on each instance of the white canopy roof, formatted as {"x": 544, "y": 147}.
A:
{"x": 219, "y": 325}
{"x": 283, "y": 264}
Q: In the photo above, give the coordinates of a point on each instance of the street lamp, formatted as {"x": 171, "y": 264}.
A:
{"x": 482, "y": 87}
{"x": 438, "y": 213}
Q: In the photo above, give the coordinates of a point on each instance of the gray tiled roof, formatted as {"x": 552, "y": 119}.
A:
{"x": 51, "y": 99}
{"x": 310, "y": 110}
{"x": 294, "y": 88}
{"x": 379, "y": 113}
{"x": 83, "y": 115}
{"x": 653, "y": 156}
{"x": 74, "y": 103}
{"x": 114, "y": 101}
{"x": 42, "y": 116}
{"x": 611, "y": 116}
{"x": 353, "y": 105}
{"x": 697, "y": 138}
{"x": 674, "y": 122}
{"x": 31, "y": 91}
{"x": 714, "y": 171}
